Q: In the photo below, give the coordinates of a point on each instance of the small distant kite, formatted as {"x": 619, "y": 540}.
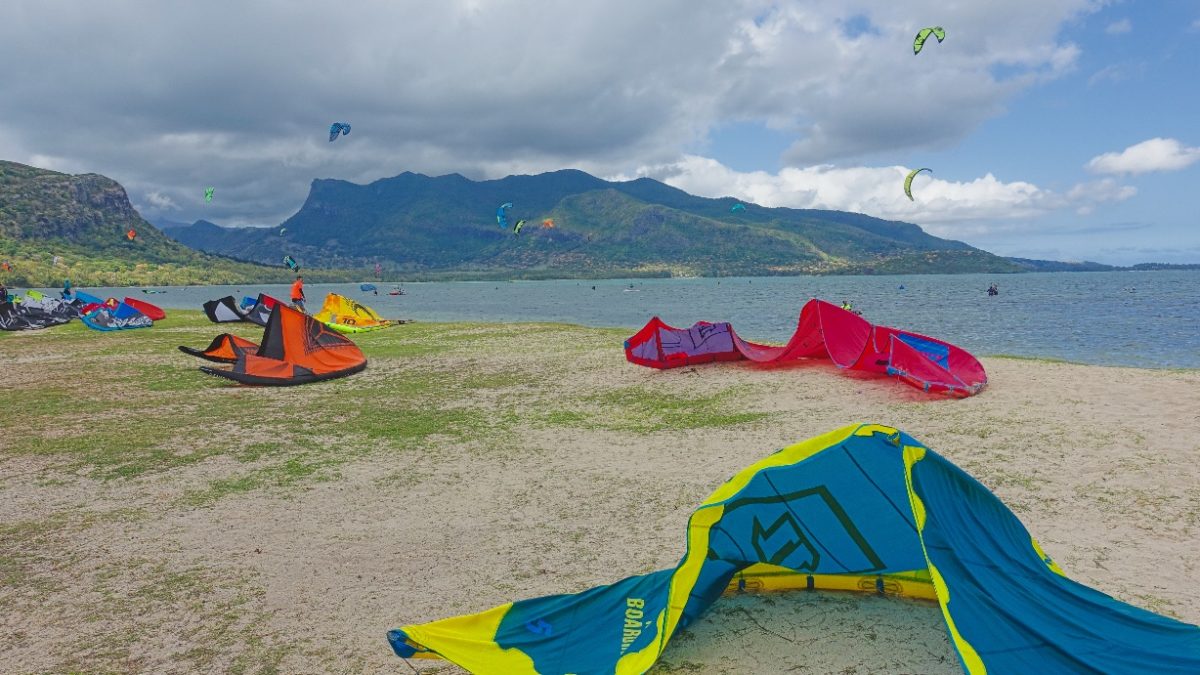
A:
{"x": 131, "y": 234}
{"x": 737, "y": 207}
{"x": 547, "y": 223}
{"x": 501, "y": 216}
{"x": 518, "y": 226}
{"x": 291, "y": 263}
{"x": 378, "y": 270}
{"x": 338, "y": 128}
{"x": 909, "y": 179}
{"x": 282, "y": 230}
{"x": 367, "y": 288}
{"x": 208, "y": 192}
{"x": 924, "y": 34}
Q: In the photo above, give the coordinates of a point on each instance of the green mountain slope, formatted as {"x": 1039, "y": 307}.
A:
{"x": 82, "y": 221}
{"x": 444, "y": 226}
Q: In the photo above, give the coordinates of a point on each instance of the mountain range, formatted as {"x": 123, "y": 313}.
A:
{"x": 578, "y": 225}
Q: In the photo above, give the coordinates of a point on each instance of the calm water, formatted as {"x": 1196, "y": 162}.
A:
{"x": 1146, "y": 319}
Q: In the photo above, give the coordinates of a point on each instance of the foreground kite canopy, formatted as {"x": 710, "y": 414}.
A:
{"x": 295, "y": 349}
{"x": 864, "y": 508}
{"x": 823, "y": 331}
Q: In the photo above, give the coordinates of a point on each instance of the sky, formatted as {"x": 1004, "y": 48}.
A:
{"x": 1056, "y": 129}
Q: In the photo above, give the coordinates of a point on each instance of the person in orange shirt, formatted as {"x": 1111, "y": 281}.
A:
{"x": 298, "y": 294}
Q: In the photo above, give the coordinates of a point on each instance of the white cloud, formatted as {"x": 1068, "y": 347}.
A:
{"x": 1156, "y": 154}
{"x": 490, "y": 87}
{"x": 159, "y": 201}
{"x": 1119, "y": 27}
{"x": 943, "y": 207}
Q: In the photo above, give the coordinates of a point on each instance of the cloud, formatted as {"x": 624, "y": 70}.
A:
{"x": 1156, "y": 154}
{"x": 159, "y": 201}
{"x": 1119, "y": 27}
{"x": 241, "y": 95}
{"x": 947, "y": 208}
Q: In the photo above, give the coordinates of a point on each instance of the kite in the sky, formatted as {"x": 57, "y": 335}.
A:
{"x": 291, "y": 263}
{"x": 909, "y": 179}
{"x": 737, "y": 207}
{"x": 501, "y": 216}
{"x": 924, "y": 34}
{"x": 378, "y": 270}
{"x": 518, "y": 226}
{"x": 208, "y": 192}
{"x": 338, "y": 128}
{"x": 282, "y": 230}
{"x": 131, "y": 234}
{"x": 547, "y": 223}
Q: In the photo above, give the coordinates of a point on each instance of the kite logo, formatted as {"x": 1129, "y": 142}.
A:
{"x": 777, "y": 543}
{"x": 540, "y": 627}
{"x": 634, "y": 611}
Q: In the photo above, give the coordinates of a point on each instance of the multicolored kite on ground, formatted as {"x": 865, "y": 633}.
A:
{"x": 824, "y": 331}
{"x": 295, "y": 349}
{"x": 863, "y": 508}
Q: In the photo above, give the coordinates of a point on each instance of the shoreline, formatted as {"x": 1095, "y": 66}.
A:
{"x": 184, "y": 525}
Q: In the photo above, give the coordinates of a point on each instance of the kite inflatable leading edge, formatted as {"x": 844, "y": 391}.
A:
{"x": 864, "y": 508}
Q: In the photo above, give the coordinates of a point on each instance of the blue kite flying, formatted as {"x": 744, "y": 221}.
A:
{"x": 501, "y": 216}
{"x": 338, "y": 128}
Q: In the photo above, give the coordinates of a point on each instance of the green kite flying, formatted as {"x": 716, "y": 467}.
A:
{"x": 909, "y": 179}
{"x": 924, "y": 34}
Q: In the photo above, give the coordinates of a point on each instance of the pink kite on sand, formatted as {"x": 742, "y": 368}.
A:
{"x": 823, "y": 331}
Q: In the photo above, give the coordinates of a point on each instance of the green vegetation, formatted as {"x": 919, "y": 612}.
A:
{"x": 83, "y": 220}
{"x": 442, "y": 228}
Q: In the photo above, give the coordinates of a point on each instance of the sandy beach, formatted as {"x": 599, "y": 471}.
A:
{"x": 156, "y": 520}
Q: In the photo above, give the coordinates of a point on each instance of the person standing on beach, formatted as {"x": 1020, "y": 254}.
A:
{"x": 298, "y": 294}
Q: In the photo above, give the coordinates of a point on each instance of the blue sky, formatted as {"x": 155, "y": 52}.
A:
{"x": 1136, "y": 77}
{"x": 1063, "y": 129}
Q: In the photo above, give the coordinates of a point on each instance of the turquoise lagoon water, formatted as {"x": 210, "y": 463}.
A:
{"x": 1144, "y": 319}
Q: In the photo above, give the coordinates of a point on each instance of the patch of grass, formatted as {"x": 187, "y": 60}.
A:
{"x": 643, "y": 410}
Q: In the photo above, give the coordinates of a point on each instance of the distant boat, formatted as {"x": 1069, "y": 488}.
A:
{"x": 397, "y": 291}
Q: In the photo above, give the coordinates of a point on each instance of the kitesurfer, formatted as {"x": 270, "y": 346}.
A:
{"x": 66, "y": 291}
{"x": 298, "y": 294}
{"x": 993, "y": 290}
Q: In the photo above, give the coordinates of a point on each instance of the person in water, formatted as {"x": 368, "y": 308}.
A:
{"x": 993, "y": 290}
{"x": 298, "y": 294}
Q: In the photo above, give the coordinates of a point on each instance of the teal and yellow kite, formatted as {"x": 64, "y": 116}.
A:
{"x": 864, "y": 508}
